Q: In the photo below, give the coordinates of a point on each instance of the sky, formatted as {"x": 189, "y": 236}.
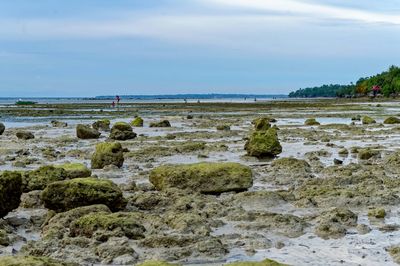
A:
{"x": 102, "y": 47}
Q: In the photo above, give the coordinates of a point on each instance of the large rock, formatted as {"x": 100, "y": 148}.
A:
{"x": 122, "y": 131}
{"x": 261, "y": 123}
{"x": 163, "y": 123}
{"x": 25, "y": 135}
{"x": 75, "y": 170}
{"x": 32, "y": 261}
{"x": 86, "y": 132}
{"x": 2, "y": 128}
{"x": 103, "y": 125}
{"x": 38, "y": 179}
{"x": 137, "y": 122}
{"x": 207, "y": 178}
{"x": 392, "y": 120}
{"x": 68, "y": 194}
{"x": 366, "y": 120}
{"x": 263, "y": 144}
{"x": 311, "y": 122}
{"x": 108, "y": 153}
{"x": 10, "y": 191}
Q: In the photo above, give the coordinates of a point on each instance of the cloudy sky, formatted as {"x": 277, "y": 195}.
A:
{"x": 97, "y": 47}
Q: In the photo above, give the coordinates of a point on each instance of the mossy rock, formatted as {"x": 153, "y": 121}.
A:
{"x": 334, "y": 223}
{"x": 378, "y": 213}
{"x": 69, "y": 194}
{"x": 163, "y": 123}
{"x": 122, "y": 131}
{"x": 25, "y": 135}
{"x": 137, "y": 122}
{"x": 261, "y": 123}
{"x": 209, "y": 178}
{"x": 266, "y": 262}
{"x": 38, "y": 179}
{"x": 107, "y": 153}
{"x": 366, "y": 120}
{"x": 32, "y": 261}
{"x": 157, "y": 263}
{"x": 365, "y": 154}
{"x": 75, "y": 170}
{"x": 10, "y": 192}
{"x": 263, "y": 144}
{"x": 2, "y": 128}
{"x": 394, "y": 252}
{"x": 56, "y": 123}
{"x": 103, "y": 124}
{"x": 311, "y": 122}
{"x": 223, "y": 127}
{"x": 4, "y": 239}
{"x": 392, "y": 120}
{"x": 86, "y": 132}
{"x": 122, "y": 224}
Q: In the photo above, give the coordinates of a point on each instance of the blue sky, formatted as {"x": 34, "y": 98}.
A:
{"x": 98, "y": 47}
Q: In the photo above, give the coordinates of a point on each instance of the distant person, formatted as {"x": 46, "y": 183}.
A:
{"x": 118, "y": 99}
{"x": 113, "y": 104}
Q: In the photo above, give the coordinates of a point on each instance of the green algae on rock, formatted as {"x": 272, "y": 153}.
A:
{"x": 121, "y": 224}
{"x": 10, "y": 191}
{"x": 137, "y": 122}
{"x": 32, "y": 261}
{"x": 311, "y": 122}
{"x": 86, "y": 132}
{"x": 163, "y": 123}
{"x": 223, "y": 127}
{"x": 365, "y": 154}
{"x": 394, "y": 252}
{"x": 25, "y": 135}
{"x": 366, "y": 120}
{"x": 334, "y": 223}
{"x": 68, "y": 194}
{"x": 263, "y": 144}
{"x": 210, "y": 178}
{"x": 392, "y": 120}
{"x": 103, "y": 125}
{"x": 261, "y": 123}
{"x": 75, "y": 170}
{"x": 266, "y": 262}
{"x": 107, "y": 153}
{"x": 38, "y": 179}
{"x": 378, "y": 213}
{"x": 122, "y": 131}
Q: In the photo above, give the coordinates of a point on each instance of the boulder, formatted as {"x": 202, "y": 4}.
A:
{"x": 122, "y": 131}
{"x": 10, "y": 191}
{"x": 263, "y": 144}
{"x": 2, "y": 128}
{"x": 366, "y": 120}
{"x": 38, "y": 179}
{"x": 108, "y": 153}
{"x": 32, "y": 261}
{"x": 56, "y": 123}
{"x": 311, "y": 122}
{"x": 86, "y": 132}
{"x": 103, "y": 125}
{"x": 25, "y": 135}
{"x": 334, "y": 223}
{"x": 392, "y": 120}
{"x": 137, "y": 122}
{"x": 68, "y": 194}
{"x": 378, "y": 213}
{"x": 75, "y": 170}
{"x": 208, "y": 178}
{"x": 365, "y": 154}
{"x": 261, "y": 123}
{"x": 122, "y": 224}
{"x": 223, "y": 127}
{"x": 163, "y": 123}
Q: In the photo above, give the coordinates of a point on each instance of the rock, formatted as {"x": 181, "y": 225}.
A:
{"x": 121, "y": 224}
{"x": 41, "y": 177}
{"x": 137, "y": 122}
{"x": 122, "y": 131}
{"x": 261, "y": 123}
{"x": 75, "y": 170}
{"x": 392, "y": 120}
{"x": 68, "y": 194}
{"x": 378, "y": 213}
{"x": 394, "y": 252}
{"x": 263, "y": 144}
{"x": 4, "y": 239}
{"x": 223, "y": 127}
{"x": 363, "y": 229}
{"x": 157, "y": 263}
{"x": 117, "y": 251}
{"x": 24, "y": 135}
{"x": 365, "y": 154}
{"x": 343, "y": 152}
{"x": 366, "y": 120}
{"x": 103, "y": 125}
{"x": 31, "y": 199}
{"x": 10, "y": 191}
{"x": 334, "y": 223}
{"x": 56, "y": 123}
{"x": 311, "y": 122}
{"x": 163, "y": 123}
{"x": 266, "y": 262}
{"x": 2, "y": 128}
{"x": 356, "y": 118}
{"x": 86, "y": 132}
{"x": 32, "y": 261}
{"x": 107, "y": 153}
{"x": 189, "y": 117}
{"x": 213, "y": 178}
{"x": 337, "y": 162}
